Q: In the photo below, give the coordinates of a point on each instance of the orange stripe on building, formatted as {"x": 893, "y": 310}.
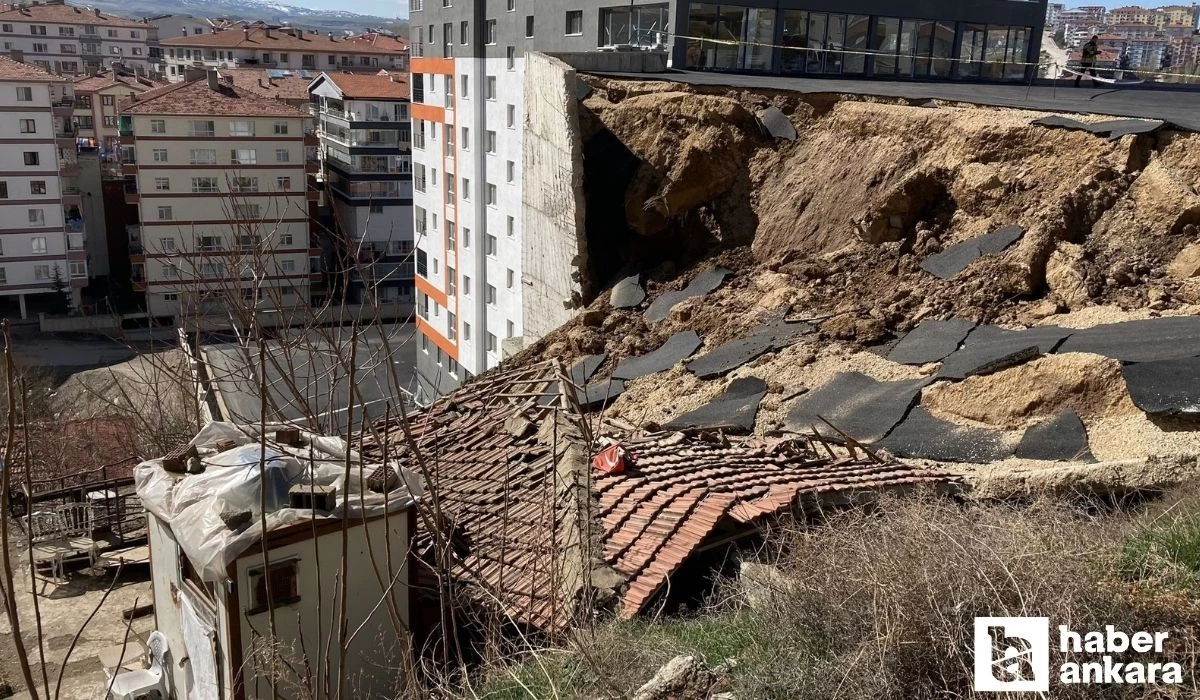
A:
{"x": 424, "y": 285}
{"x": 447, "y": 347}
{"x": 429, "y": 64}
{"x": 430, "y": 113}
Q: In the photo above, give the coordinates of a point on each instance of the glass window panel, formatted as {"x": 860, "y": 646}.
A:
{"x": 887, "y": 39}
{"x": 702, "y": 24}
{"x": 943, "y": 50}
{"x": 835, "y": 41}
{"x": 857, "y": 33}
{"x": 994, "y": 52}
{"x": 760, "y": 36}
{"x": 795, "y": 34}
{"x": 971, "y": 52}
{"x": 817, "y": 22}
{"x": 730, "y": 28}
{"x": 1018, "y": 47}
{"x": 908, "y": 46}
{"x": 924, "y": 47}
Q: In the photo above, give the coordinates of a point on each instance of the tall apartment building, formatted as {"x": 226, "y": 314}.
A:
{"x": 69, "y": 39}
{"x": 42, "y": 235}
{"x": 468, "y": 74}
{"x": 283, "y": 48}
{"x": 1132, "y": 14}
{"x": 366, "y": 156}
{"x": 95, "y": 115}
{"x": 220, "y": 179}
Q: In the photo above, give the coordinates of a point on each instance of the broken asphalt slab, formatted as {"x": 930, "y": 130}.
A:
{"x": 989, "y": 349}
{"x": 733, "y": 410}
{"x": 677, "y": 347}
{"x": 958, "y": 257}
{"x": 601, "y": 393}
{"x": 862, "y": 407}
{"x": 776, "y": 124}
{"x": 1114, "y": 129}
{"x": 703, "y": 283}
{"x": 921, "y": 435}
{"x": 932, "y": 341}
{"x": 1148, "y": 340}
{"x": 579, "y": 373}
{"x": 1167, "y": 388}
{"x": 735, "y": 353}
{"x": 628, "y": 293}
{"x": 1063, "y": 438}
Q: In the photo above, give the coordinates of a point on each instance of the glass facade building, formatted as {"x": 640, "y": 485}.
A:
{"x": 968, "y": 39}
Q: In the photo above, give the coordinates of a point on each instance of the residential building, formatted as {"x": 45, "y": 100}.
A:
{"x": 288, "y": 86}
{"x": 468, "y": 80}
{"x": 1054, "y": 12}
{"x": 69, "y": 39}
{"x": 1178, "y": 15}
{"x": 366, "y": 156}
{"x": 1080, "y": 16}
{"x": 1132, "y": 31}
{"x": 1177, "y": 31}
{"x": 1185, "y": 53}
{"x": 42, "y": 232}
{"x": 288, "y": 48}
{"x": 220, "y": 179}
{"x": 95, "y": 117}
{"x": 1132, "y": 14}
{"x": 385, "y": 41}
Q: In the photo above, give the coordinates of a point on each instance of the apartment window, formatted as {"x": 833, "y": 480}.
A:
{"x": 490, "y": 195}
{"x": 24, "y": 94}
{"x": 283, "y": 58}
{"x": 38, "y": 244}
{"x": 165, "y": 214}
{"x": 510, "y": 171}
{"x": 74, "y": 241}
{"x": 466, "y": 287}
{"x": 464, "y": 32}
{"x": 287, "y": 265}
{"x": 509, "y": 278}
{"x": 66, "y": 48}
{"x": 285, "y": 239}
{"x": 37, "y": 217}
{"x": 376, "y": 208}
{"x": 466, "y": 237}
{"x": 66, "y": 31}
{"x": 203, "y": 156}
{"x": 241, "y": 128}
{"x": 162, "y": 184}
{"x": 37, "y": 187}
{"x": 3, "y": 276}
{"x": 170, "y": 271}
{"x": 451, "y": 281}
{"x": 135, "y": 34}
{"x": 466, "y": 187}
{"x": 489, "y": 88}
{"x": 266, "y": 58}
{"x": 490, "y": 343}
{"x": 528, "y": 26}
{"x": 511, "y": 226}
{"x": 511, "y": 328}
{"x": 490, "y": 32}
{"x": 489, "y": 244}
{"x": 41, "y": 272}
{"x": 246, "y": 242}
{"x": 281, "y": 155}
{"x": 212, "y": 269}
{"x": 204, "y": 184}
{"x": 245, "y": 184}
{"x": 108, "y": 100}
{"x": 466, "y": 138}
{"x": 451, "y": 325}
{"x": 489, "y": 141}
{"x": 510, "y": 54}
{"x": 7, "y": 28}
{"x": 466, "y": 331}
{"x": 511, "y": 116}
{"x": 41, "y": 48}
{"x": 283, "y": 184}
{"x": 464, "y": 86}
{"x": 202, "y": 127}
{"x": 32, "y": 158}
{"x": 510, "y": 6}
{"x": 207, "y": 243}
{"x": 168, "y": 244}
{"x": 281, "y": 128}
{"x": 170, "y": 296}
{"x": 159, "y": 155}
{"x": 28, "y": 126}
{"x": 450, "y": 235}
{"x": 110, "y": 121}
{"x": 283, "y": 589}
{"x": 247, "y": 211}
{"x": 489, "y": 294}
{"x": 243, "y": 156}
{"x": 3, "y": 190}
{"x": 574, "y": 22}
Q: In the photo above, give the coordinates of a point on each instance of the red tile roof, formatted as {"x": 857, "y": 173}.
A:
{"x": 381, "y": 85}
{"x": 26, "y": 72}
{"x": 195, "y": 97}
{"x": 289, "y": 88}
{"x": 96, "y": 83}
{"x": 65, "y": 14}
{"x": 527, "y": 524}
{"x": 279, "y": 40}
{"x": 397, "y": 44}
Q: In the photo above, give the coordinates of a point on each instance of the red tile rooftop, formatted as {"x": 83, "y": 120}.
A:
{"x": 382, "y": 85}
{"x": 59, "y": 13}
{"x": 197, "y": 98}
{"x": 263, "y": 39}
{"x": 11, "y": 70}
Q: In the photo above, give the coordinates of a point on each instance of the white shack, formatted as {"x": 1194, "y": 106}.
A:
{"x": 219, "y": 585}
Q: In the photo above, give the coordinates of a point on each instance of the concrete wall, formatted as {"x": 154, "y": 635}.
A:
{"x": 615, "y": 61}
{"x": 553, "y": 201}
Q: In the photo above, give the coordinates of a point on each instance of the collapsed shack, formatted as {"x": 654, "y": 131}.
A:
{"x": 538, "y": 530}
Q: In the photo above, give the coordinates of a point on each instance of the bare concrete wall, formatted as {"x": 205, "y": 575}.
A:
{"x": 554, "y": 247}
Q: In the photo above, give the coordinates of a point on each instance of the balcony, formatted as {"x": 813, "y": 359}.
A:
{"x": 68, "y": 166}
{"x": 63, "y": 107}
{"x": 71, "y": 193}
{"x": 72, "y": 220}
{"x": 138, "y": 277}
{"x": 132, "y": 196}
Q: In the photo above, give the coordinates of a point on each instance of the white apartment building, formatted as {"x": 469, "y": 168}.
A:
{"x": 286, "y": 48}
{"x": 366, "y": 155}
{"x": 69, "y": 39}
{"x": 220, "y": 177}
{"x": 42, "y": 236}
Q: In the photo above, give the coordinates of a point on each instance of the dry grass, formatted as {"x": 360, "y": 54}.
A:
{"x": 881, "y": 604}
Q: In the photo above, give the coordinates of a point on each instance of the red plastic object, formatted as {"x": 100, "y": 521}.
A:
{"x": 611, "y": 460}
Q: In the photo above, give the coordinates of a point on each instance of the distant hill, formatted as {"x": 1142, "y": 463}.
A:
{"x": 273, "y": 12}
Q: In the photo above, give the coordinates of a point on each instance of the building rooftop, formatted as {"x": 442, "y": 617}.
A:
{"x": 284, "y": 39}
{"x": 103, "y": 81}
{"x": 11, "y": 70}
{"x": 57, "y": 12}
{"x": 197, "y": 98}
{"x": 381, "y": 86}
{"x": 389, "y": 42}
{"x": 286, "y": 85}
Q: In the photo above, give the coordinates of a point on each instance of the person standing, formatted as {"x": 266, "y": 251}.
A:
{"x": 1087, "y": 64}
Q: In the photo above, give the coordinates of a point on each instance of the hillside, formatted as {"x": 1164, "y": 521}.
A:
{"x": 272, "y": 12}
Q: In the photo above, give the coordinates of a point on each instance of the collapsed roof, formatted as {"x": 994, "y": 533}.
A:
{"x": 532, "y": 528}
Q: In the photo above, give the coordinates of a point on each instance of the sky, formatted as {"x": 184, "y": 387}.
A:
{"x": 381, "y": 8}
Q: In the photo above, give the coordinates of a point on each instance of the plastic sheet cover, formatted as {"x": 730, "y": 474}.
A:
{"x": 232, "y": 482}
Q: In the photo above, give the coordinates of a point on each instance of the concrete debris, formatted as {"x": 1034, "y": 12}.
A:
{"x": 957, "y": 258}
{"x": 932, "y": 341}
{"x": 681, "y": 677}
{"x": 990, "y": 349}
{"x": 863, "y": 408}
{"x": 1066, "y": 276}
{"x": 703, "y": 283}
{"x": 1167, "y": 388}
{"x": 601, "y": 393}
{"x": 922, "y": 435}
{"x": 628, "y": 293}
{"x": 733, "y": 411}
{"x": 582, "y": 89}
{"x": 677, "y": 347}
{"x": 776, "y": 124}
{"x": 1060, "y": 439}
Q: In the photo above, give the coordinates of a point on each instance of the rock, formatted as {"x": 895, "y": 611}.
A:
{"x": 593, "y": 318}
{"x": 1065, "y": 277}
{"x": 681, "y": 677}
{"x": 1189, "y": 291}
{"x": 1187, "y": 264}
{"x": 861, "y": 330}
{"x": 761, "y": 584}
{"x": 585, "y": 340}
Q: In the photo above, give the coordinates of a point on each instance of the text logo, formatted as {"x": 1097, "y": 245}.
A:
{"x": 1012, "y": 654}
